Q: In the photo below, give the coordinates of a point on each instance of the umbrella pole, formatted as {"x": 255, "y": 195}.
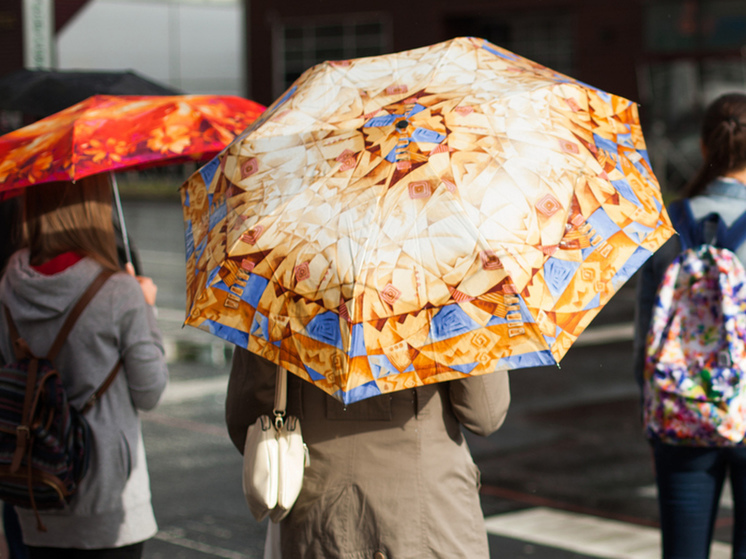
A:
{"x": 120, "y": 216}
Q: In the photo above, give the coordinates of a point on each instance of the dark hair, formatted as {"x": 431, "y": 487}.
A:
{"x": 65, "y": 216}
{"x": 723, "y": 137}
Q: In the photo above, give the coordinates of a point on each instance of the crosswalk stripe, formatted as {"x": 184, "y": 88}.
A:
{"x": 580, "y": 533}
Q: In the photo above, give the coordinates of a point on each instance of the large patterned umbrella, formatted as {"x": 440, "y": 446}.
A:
{"x": 419, "y": 217}
{"x": 109, "y": 132}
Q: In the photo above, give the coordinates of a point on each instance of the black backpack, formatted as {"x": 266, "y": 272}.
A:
{"x": 44, "y": 442}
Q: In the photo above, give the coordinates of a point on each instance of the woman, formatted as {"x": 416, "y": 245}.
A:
{"x": 690, "y": 478}
{"x": 389, "y": 477}
{"x": 70, "y": 238}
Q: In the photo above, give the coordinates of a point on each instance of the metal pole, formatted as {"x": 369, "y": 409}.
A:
{"x": 120, "y": 216}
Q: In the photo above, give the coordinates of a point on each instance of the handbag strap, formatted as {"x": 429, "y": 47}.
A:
{"x": 281, "y": 395}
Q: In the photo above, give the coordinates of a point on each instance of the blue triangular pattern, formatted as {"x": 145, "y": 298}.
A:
{"x": 533, "y": 359}
{"x": 260, "y": 326}
{"x": 637, "y": 231}
{"x": 631, "y": 266}
{"x": 357, "y": 344}
{"x": 602, "y": 224}
{"x": 594, "y": 304}
{"x": 605, "y": 144}
{"x": 367, "y": 390}
{"x": 237, "y": 337}
{"x": 558, "y": 274}
{"x": 646, "y": 157}
{"x": 211, "y": 275}
{"x": 254, "y": 289}
{"x": 324, "y": 328}
{"x": 218, "y": 213}
{"x": 380, "y": 366}
{"x": 626, "y": 190}
{"x": 414, "y": 110}
{"x": 188, "y": 239}
{"x": 625, "y": 140}
{"x": 314, "y": 374}
{"x": 465, "y": 368}
{"x": 450, "y": 321}
{"x": 208, "y": 170}
{"x": 201, "y": 248}
{"x": 427, "y": 136}
{"x": 383, "y": 120}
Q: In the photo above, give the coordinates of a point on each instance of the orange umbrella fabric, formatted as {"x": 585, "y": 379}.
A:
{"x": 109, "y": 133}
{"x": 420, "y": 217}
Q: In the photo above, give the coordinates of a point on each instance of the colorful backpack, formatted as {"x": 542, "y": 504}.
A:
{"x": 695, "y": 365}
{"x": 44, "y": 442}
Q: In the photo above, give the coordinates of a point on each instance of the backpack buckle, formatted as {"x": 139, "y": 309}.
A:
{"x": 23, "y": 430}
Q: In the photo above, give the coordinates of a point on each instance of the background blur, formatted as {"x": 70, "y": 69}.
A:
{"x": 670, "y": 56}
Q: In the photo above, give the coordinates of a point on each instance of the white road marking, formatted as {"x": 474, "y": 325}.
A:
{"x": 589, "y": 535}
{"x": 726, "y": 497}
{"x": 184, "y": 390}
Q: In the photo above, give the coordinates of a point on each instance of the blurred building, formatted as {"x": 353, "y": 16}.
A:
{"x": 11, "y": 29}
{"x": 671, "y": 56}
{"x": 195, "y": 46}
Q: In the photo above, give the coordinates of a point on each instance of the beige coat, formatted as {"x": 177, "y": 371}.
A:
{"x": 390, "y": 477}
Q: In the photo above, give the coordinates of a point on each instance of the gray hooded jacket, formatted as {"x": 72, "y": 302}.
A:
{"x": 112, "y": 507}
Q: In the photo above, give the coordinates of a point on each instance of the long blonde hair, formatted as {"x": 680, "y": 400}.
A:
{"x": 65, "y": 216}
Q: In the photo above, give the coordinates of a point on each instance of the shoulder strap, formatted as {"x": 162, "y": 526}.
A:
{"x": 101, "y": 389}
{"x": 15, "y": 337}
{"x": 683, "y": 221}
{"x": 736, "y": 234}
{"x": 77, "y": 311}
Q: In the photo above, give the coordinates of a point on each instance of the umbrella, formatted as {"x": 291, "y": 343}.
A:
{"x": 44, "y": 92}
{"x": 106, "y": 133}
{"x": 419, "y": 217}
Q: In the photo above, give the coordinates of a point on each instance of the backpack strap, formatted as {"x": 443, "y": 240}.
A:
{"x": 736, "y": 234}
{"x": 710, "y": 229}
{"x": 683, "y": 221}
{"x": 20, "y": 347}
{"x": 89, "y": 403}
{"x": 77, "y": 311}
{"x": 82, "y": 303}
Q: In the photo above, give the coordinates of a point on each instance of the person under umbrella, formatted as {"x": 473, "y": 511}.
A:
{"x": 70, "y": 240}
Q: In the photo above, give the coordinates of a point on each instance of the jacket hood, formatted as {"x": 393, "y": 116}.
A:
{"x": 35, "y": 296}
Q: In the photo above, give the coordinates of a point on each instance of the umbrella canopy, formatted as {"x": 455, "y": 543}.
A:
{"x": 420, "y": 217}
{"x": 109, "y": 133}
{"x": 44, "y": 92}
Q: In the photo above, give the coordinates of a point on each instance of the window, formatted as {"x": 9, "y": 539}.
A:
{"x": 301, "y": 44}
{"x": 546, "y": 38}
{"x": 676, "y": 25}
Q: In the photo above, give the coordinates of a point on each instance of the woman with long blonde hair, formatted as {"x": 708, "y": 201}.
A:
{"x": 69, "y": 240}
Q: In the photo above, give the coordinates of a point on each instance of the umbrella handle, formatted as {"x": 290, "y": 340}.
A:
{"x": 120, "y": 216}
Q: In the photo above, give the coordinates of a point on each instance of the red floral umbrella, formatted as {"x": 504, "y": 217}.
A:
{"x": 107, "y": 133}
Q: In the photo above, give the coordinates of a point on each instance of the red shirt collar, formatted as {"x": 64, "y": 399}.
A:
{"x": 58, "y": 263}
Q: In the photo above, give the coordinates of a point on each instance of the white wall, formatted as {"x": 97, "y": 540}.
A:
{"x": 195, "y": 46}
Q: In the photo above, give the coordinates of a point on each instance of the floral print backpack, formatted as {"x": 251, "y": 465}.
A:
{"x": 695, "y": 364}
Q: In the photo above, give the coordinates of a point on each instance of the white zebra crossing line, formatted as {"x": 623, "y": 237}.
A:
{"x": 581, "y": 533}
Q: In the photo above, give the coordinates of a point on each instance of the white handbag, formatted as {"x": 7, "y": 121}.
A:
{"x": 274, "y": 459}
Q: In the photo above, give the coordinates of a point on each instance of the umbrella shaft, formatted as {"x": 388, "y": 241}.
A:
{"x": 120, "y": 217}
